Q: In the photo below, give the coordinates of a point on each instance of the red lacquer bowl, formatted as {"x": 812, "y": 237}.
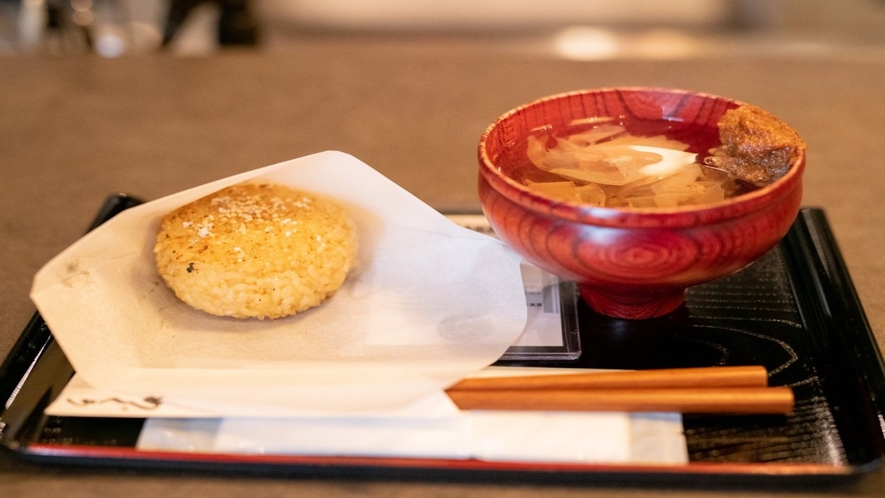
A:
{"x": 629, "y": 263}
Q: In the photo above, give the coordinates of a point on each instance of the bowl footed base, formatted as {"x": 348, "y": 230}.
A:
{"x": 632, "y": 306}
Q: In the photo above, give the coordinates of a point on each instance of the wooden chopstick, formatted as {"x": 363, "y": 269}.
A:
{"x": 734, "y": 390}
{"x": 740, "y": 376}
{"x": 730, "y": 400}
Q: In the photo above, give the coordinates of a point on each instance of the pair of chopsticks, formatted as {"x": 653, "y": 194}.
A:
{"x": 720, "y": 390}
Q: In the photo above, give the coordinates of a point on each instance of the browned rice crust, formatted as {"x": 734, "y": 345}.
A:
{"x": 256, "y": 251}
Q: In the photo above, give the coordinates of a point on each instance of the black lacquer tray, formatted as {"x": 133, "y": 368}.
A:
{"x": 794, "y": 311}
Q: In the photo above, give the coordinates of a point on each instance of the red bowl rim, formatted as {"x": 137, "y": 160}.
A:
{"x": 606, "y": 216}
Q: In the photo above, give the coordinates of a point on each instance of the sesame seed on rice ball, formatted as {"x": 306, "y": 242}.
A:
{"x": 256, "y": 251}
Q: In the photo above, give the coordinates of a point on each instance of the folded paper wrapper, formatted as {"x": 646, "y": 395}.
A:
{"x": 428, "y": 303}
{"x": 538, "y": 437}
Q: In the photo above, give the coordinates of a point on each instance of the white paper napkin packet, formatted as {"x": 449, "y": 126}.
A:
{"x": 429, "y": 303}
{"x": 563, "y": 437}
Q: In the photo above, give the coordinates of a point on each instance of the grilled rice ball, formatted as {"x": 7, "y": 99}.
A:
{"x": 256, "y": 251}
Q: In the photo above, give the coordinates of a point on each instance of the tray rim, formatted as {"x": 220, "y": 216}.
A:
{"x": 62, "y": 452}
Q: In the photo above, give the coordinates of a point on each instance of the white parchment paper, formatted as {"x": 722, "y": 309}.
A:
{"x": 429, "y": 303}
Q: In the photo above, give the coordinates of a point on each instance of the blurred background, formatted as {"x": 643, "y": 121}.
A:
{"x": 587, "y": 30}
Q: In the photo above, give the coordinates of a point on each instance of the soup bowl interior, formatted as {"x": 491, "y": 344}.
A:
{"x": 629, "y": 263}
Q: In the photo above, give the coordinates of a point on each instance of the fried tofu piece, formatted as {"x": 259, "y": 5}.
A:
{"x": 757, "y": 147}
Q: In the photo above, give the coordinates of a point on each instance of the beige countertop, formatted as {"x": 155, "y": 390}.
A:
{"x": 76, "y": 129}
